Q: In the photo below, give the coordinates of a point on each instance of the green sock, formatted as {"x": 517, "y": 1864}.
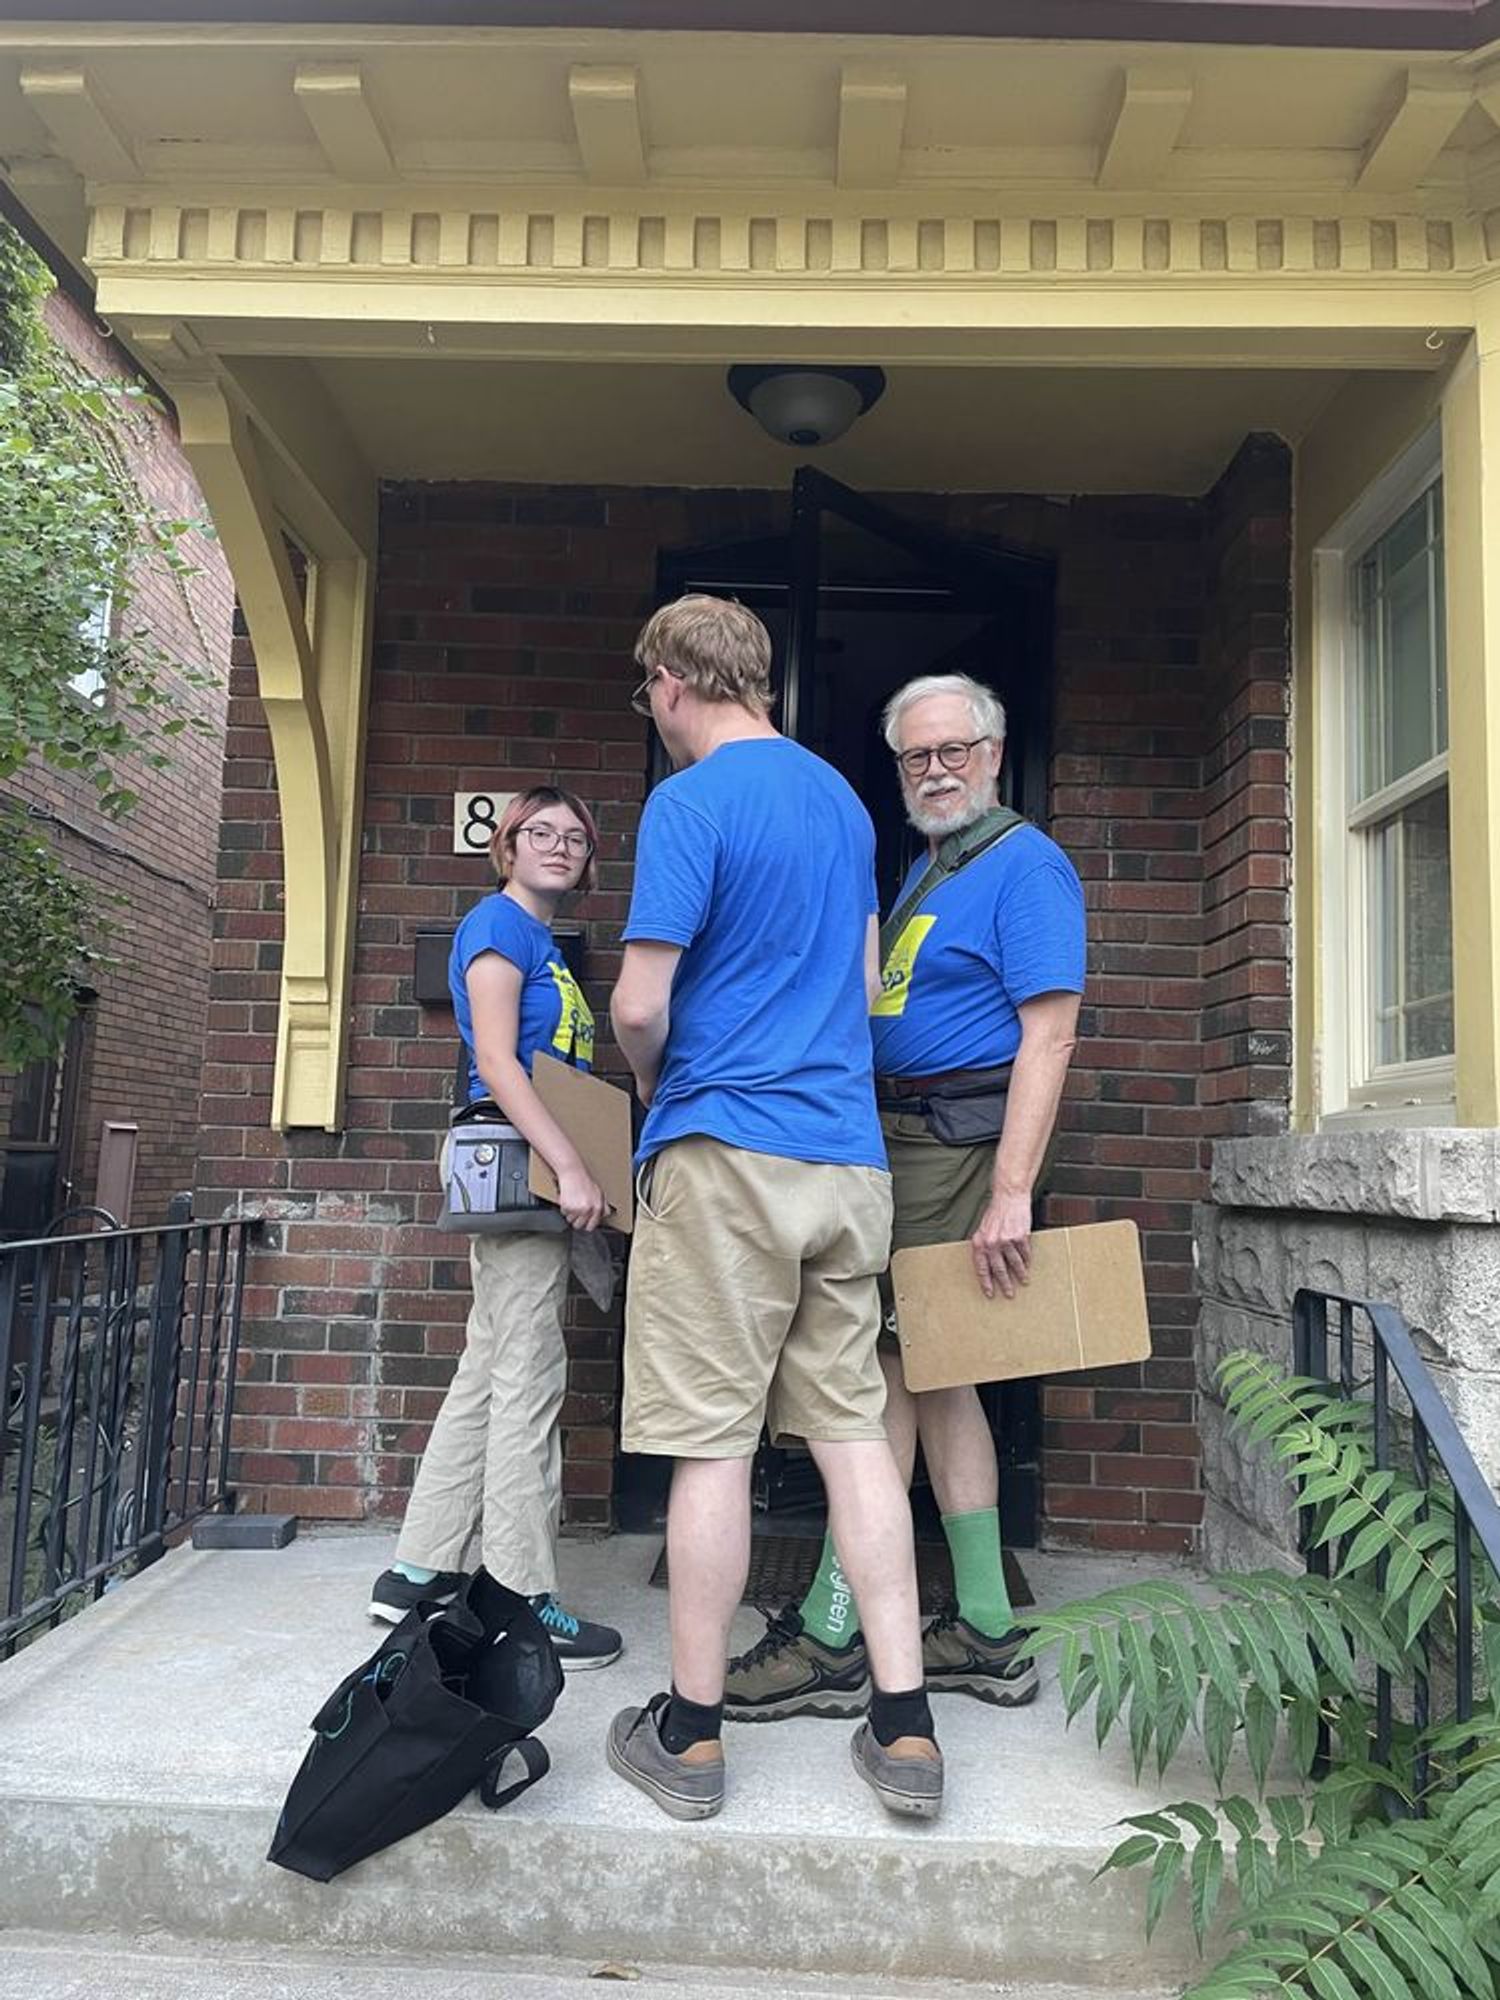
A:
{"x": 978, "y": 1572}
{"x": 829, "y": 1613}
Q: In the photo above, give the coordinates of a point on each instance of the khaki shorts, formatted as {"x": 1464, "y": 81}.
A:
{"x": 753, "y": 1299}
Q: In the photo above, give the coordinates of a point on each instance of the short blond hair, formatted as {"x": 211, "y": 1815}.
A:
{"x": 717, "y": 647}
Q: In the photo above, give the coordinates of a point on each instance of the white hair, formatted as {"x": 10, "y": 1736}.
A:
{"x": 984, "y": 706}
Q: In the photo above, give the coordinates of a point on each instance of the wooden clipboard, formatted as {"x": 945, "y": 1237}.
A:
{"x": 596, "y": 1117}
{"x": 1084, "y": 1306}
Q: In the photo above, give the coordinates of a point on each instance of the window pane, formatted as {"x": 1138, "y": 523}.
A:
{"x": 1411, "y": 931}
{"x": 1400, "y": 681}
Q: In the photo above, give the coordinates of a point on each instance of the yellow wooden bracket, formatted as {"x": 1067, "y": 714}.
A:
{"x": 312, "y": 662}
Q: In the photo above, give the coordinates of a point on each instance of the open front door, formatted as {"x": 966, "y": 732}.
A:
{"x": 859, "y": 599}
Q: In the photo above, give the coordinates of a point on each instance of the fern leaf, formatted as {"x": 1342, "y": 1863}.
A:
{"x": 1261, "y": 1662}
{"x": 1205, "y": 1882}
{"x": 1129, "y": 1854}
{"x": 1445, "y": 1931}
{"x": 1197, "y": 1816}
{"x": 1171, "y": 1727}
{"x": 1141, "y": 1725}
{"x": 1220, "y": 1719}
{"x": 1165, "y": 1871}
{"x": 1262, "y": 1717}
{"x": 1105, "y": 1651}
{"x": 1428, "y": 1594}
{"x": 1217, "y": 1658}
{"x": 1429, "y": 1968}
{"x": 1363, "y": 1956}
{"x": 1329, "y": 1981}
{"x": 1348, "y": 1514}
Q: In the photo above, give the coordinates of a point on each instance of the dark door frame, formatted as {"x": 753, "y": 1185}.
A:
{"x": 774, "y": 570}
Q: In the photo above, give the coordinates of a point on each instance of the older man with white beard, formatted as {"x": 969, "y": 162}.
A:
{"x": 982, "y": 969}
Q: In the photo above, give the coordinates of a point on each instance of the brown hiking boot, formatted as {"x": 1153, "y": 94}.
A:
{"x": 958, "y": 1659}
{"x": 788, "y": 1672}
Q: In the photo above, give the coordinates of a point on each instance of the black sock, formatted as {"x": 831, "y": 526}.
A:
{"x": 905, "y": 1714}
{"x": 685, "y": 1722}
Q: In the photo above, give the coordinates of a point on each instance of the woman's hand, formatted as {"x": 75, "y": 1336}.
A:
{"x": 580, "y": 1198}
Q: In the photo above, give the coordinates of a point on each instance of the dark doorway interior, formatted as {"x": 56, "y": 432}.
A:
{"x": 859, "y": 600}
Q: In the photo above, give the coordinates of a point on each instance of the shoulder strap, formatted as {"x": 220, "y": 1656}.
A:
{"x": 500, "y": 1783}
{"x": 461, "y": 1076}
{"x": 954, "y": 854}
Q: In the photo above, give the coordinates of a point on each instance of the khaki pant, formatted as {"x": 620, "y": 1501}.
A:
{"x": 752, "y": 1296}
{"x": 494, "y": 1461}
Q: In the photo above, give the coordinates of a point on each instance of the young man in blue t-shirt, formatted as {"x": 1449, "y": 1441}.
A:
{"x": 973, "y": 1029}
{"x": 750, "y": 963}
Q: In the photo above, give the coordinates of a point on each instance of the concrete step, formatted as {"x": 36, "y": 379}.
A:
{"x": 149, "y": 1743}
{"x": 62, "y": 1968}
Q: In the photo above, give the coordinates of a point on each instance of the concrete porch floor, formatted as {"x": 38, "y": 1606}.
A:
{"x": 149, "y": 1742}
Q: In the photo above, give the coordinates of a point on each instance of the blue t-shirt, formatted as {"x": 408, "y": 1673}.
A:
{"x": 1004, "y": 929}
{"x": 554, "y": 1014}
{"x": 760, "y": 862}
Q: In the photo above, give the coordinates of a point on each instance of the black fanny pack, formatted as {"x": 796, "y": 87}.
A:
{"x": 965, "y": 1107}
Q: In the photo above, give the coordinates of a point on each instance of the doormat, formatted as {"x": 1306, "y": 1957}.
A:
{"x": 783, "y": 1566}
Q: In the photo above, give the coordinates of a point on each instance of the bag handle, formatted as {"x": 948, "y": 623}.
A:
{"x": 533, "y": 1756}
{"x": 954, "y": 854}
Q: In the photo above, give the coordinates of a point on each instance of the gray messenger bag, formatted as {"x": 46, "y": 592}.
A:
{"x": 484, "y": 1168}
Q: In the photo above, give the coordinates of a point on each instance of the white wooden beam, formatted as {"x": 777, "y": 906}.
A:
{"x": 872, "y": 123}
{"x": 1408, "y": 140}
{"x": 607, "y": 119}
{"x": 1148, "y": 121}
{"x": 81, "y": 129}
{"x": 332, "y": 96}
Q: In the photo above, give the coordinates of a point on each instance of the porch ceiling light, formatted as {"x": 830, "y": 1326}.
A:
{"x": 805, "y": 406}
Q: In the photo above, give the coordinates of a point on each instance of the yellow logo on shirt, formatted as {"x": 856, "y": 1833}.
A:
{"x": 895, "y": 980}
{"x": 575, "y": 1024}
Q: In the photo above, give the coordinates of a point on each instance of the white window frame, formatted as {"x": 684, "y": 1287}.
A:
{"x": 92, "y": 684}
{"x": 1352, "y": 1089}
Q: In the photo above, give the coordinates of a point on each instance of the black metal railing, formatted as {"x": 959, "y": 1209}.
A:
{"x": 118, "y": 1355}
{"x": 1366, "y": 1351}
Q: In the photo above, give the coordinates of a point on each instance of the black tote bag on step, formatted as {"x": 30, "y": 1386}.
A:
{"x": 446, "y": 1704}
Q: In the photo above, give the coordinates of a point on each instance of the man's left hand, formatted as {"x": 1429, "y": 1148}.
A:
{"x": 1001, "y": 1245}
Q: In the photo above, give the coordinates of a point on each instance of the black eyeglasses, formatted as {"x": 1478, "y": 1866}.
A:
{"x": 547, "y": 839}
{"x": 640, "y": 701}
{"x": 952, "y": 756}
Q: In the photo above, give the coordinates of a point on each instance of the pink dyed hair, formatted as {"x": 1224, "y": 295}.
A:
{"x": 525, "y": 806}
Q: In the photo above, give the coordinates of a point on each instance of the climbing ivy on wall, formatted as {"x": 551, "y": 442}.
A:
{"x": 83, "y": 686}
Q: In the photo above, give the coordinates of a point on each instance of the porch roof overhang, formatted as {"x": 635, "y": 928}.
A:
{"x": 363, "y": 249}
{"x": 1401, "y": 24}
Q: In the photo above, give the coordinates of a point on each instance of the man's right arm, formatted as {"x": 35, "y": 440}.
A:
{"x": 641, "y": 1009}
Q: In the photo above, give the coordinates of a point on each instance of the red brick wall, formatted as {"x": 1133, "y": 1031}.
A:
{"x": 505, "y": 618}
{"x": 144, "y": 1043}
{"x": 1172, "y": 795}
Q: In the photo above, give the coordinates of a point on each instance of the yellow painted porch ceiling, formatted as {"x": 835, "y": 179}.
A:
{"x": 205, "y": 105}
{"x": 1100, "y": 430}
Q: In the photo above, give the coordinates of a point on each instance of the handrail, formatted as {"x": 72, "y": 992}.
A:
{"x": 119, "y": 1352}
{"x": 1435, "y": 1436}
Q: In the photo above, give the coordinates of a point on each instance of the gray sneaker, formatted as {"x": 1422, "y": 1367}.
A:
{"x": 910, "y": 1784}
{"x": 686, "y": 1790}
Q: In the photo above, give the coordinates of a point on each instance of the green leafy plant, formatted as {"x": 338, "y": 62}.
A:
{"x": 1381, "y": 1879}
{"x": 76, "y": 537}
